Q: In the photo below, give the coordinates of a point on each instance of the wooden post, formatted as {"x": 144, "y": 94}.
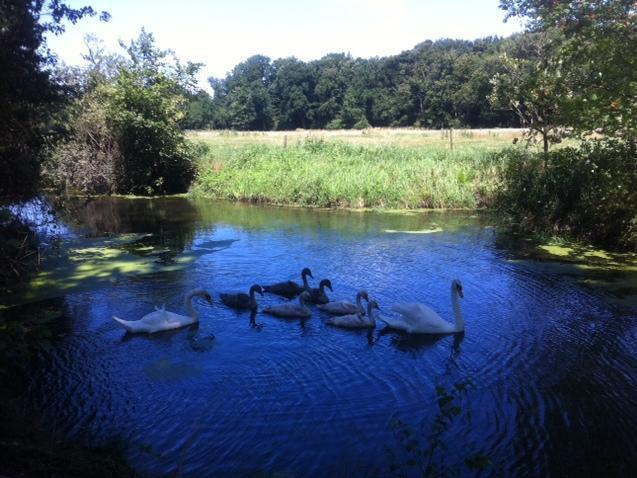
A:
{"x": 285, "y": 140}
{"x": 451, "y": 138}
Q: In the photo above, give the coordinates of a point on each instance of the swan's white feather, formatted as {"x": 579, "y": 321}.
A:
{"x": 156, "y": 321}
{"x": 395, "y": 323}
{"x": 161, "y": 319}
{"x": 419, "y": 318}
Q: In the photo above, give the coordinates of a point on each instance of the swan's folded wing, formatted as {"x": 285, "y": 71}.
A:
{"x": 414, "y": 312}
{"x": 393, "y": 322}
{"x": 163, "y": 319}
{"x": 341, "y": 307}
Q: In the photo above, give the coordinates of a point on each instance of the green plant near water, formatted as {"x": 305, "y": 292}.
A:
{"x": 419, "y": 450}
{"x": 335, "y": 174}
{"x": 586, "y": 192}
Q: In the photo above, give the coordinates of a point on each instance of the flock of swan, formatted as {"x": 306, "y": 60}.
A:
{"x": 413, "y": 317}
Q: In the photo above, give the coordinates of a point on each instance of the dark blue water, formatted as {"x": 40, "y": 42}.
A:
{"x": 551, "y": 364}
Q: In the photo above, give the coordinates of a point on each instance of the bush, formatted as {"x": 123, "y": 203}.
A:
{"x": 90, "y": 160}
{"x": 588, "y": 191}
{"x": 125, "y": 138}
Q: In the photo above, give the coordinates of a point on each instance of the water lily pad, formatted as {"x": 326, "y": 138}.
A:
{"x": 422, "y": 231}
{"x": 98, "y": 262}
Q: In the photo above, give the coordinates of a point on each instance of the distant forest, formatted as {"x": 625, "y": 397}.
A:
{"x": 437, "y": 84}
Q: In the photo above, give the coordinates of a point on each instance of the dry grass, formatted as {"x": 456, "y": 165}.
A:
{"x": 492, "y": 139}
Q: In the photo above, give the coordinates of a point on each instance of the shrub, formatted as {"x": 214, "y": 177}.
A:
{"x": 587, "y": 191}
{"x": 90, "y": 160}
{"x": 125, "y": 138}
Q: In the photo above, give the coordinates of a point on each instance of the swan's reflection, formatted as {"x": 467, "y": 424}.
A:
{"x": 253, "y": 322}
{"x": 419, "y": 342}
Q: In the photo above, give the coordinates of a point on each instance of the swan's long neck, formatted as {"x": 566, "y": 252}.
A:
{"x": 457, "y": 312}
{"x": 359, "y": 302}
{"x": 253, "y": 301}
{"x": 306, "y": 286}
{"x": 189, "y": 308}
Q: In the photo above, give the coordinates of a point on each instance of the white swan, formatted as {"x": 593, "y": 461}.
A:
{"x": 420, "y": 319}
{"x": 161, "y": 319}
{"x": 300, "y": 310}
{"x": 344, "y": 307}
{"x": 356, "y": 321}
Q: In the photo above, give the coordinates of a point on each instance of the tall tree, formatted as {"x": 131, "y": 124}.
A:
{"x": 530, "y": 84}
{"x": 28, "y": 94}
{"x": 597, "y": 57}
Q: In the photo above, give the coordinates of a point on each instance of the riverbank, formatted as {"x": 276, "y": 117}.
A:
{"x": 320, "y": 173}
{"x": 582, "y": 190}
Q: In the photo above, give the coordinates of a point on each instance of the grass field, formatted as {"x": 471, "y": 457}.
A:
{"x": 404, "y": 137}
{"x": 376, "y": 168}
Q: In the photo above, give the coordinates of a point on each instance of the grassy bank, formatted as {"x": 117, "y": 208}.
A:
{"x": 327, "y": 173}
{"x": 584, "y": 190}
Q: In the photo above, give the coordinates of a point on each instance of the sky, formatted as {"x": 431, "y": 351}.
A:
{"x": 222, "y": 34}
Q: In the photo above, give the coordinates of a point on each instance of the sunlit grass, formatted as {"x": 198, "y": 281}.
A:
{"x": 496, "y": 138}
{"x": 343, "y": 173}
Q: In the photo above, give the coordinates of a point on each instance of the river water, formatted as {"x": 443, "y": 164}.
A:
{"x": 547, "y": 368}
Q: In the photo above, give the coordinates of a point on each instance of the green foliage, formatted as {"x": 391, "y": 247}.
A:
{"x": 28, "y": 94}
{"x": 125, "y": 131}
{"x": 437, "y": 84}
{"x": 529, "y": 83}
{"x": 588, "y": 192}
{"x": 419, "y": 451}
{"x": 19, "y": 250}
{"x": 334, "y": 174}
{"x": 144, "y": 110}
{"x": 597, "y": 60}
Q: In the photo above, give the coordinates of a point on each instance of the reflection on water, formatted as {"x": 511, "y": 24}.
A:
{"x": 550, "y": 355}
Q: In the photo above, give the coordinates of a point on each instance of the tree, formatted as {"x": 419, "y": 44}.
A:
{"x": 530, "y": 84}
{"x": 598, "y": 60}
{"x": 28, "y": 95}
{"x": 245, "y": 94}
{"x": 292, "y": 92}
{"x": 125, "y": 132}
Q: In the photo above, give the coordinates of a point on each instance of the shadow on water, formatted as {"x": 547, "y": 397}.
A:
{"x": 608, "y": 272}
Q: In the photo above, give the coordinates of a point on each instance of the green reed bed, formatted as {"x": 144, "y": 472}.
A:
{"x": 336, "y": 174}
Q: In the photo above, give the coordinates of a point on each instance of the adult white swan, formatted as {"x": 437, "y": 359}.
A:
{"x": 344, "y": 307}
{"x": 356, "y": 321}
{"x": 419, "y": 319}
{"x": 300, "y": 310}
{"x": 161, "y": 319}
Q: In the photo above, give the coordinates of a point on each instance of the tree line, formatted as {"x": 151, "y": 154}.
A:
{"x": 437, "y": 84}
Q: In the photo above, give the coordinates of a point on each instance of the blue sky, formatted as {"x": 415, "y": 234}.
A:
{"x": 224, "y": 33}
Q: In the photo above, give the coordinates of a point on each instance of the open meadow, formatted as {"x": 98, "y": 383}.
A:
{"x": 372, "y": 168}
{"x": 491, "y": 138}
